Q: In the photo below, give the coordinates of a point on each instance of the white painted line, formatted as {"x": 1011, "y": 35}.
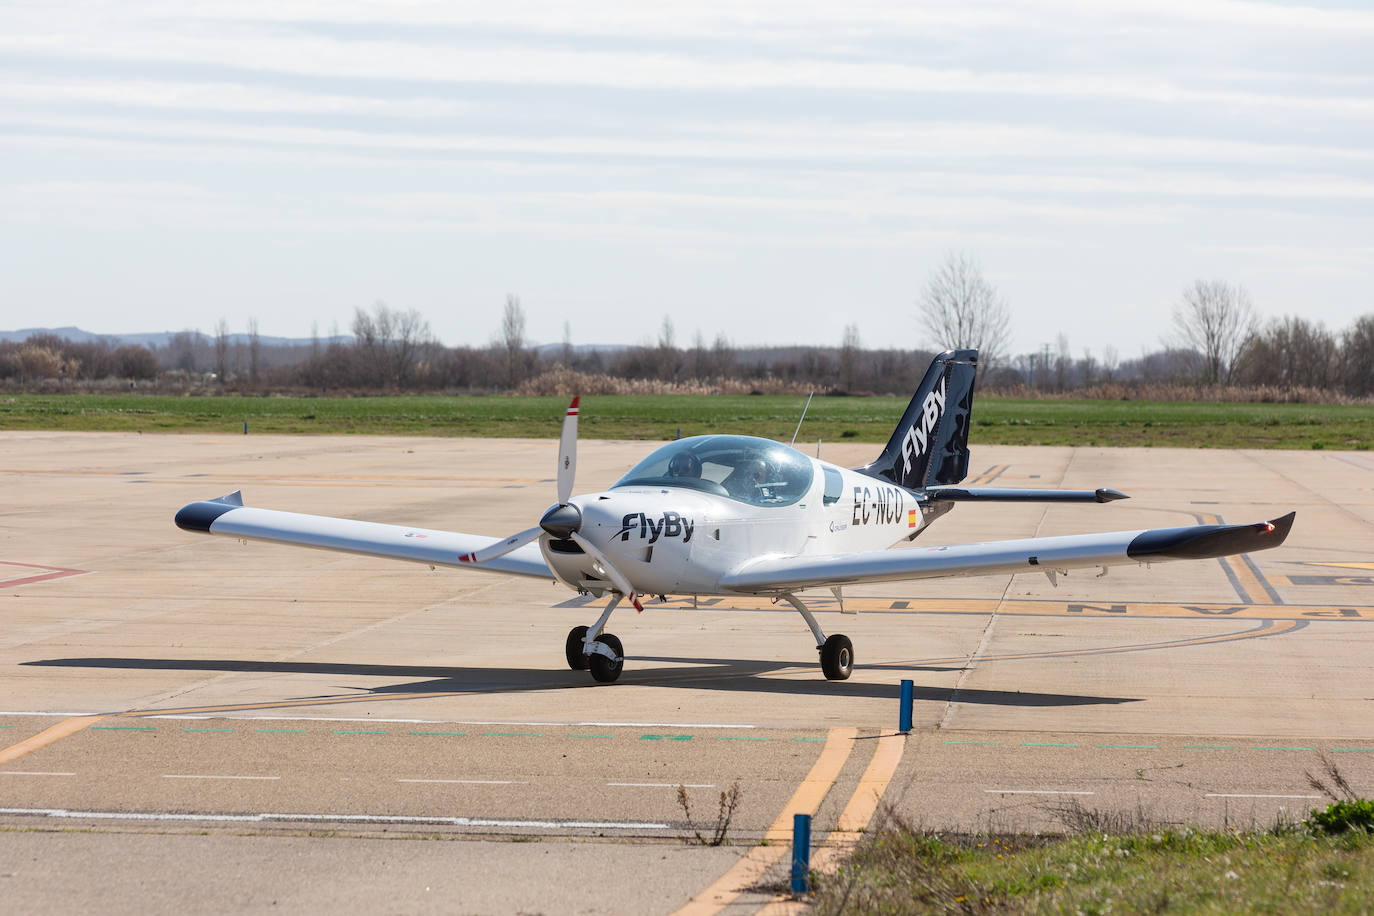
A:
{"x": 1034, "y": 792}
{"x": 662, "y": 785}
{"x": 52, "y": 715}
{"x": 332, "y": 818}
{"x": 31, "y": 773}
{"x": 471, "y": 782}
{"x": 1230, "y": 795}
{"x": 200, "y": 776}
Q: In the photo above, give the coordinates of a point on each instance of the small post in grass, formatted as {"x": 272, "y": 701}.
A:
{"x": 904, "y": 718}
{"x": 801, "y": 853}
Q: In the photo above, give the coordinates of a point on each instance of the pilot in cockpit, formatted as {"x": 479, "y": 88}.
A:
{"x": 746, "y": 480}
{"x": 684, "y": 464}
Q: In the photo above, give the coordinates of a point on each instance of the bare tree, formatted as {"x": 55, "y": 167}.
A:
{"x": 1357, "y": 356}
{"x": 222, "y": 350}
{"x": 390, "y": 345}
{"x": 513, "y": 339}
{"x": 1217, "y": 320}
{"x": 254, "y": 352}
{"x": 850, "y": 347}
{"x": 960, "y": 309}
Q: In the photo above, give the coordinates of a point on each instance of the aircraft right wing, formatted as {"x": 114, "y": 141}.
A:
{"x": 229, "y": 516}
{"x": 1048, "y": 554}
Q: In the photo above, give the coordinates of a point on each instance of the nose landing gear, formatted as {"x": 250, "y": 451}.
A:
{"x": 593, "y": 648}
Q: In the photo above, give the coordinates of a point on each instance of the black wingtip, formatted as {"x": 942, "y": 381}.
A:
{"x": 1198, "y": 542}
{"x": 1107, "y": 495}
{"x": 200, "y": 515}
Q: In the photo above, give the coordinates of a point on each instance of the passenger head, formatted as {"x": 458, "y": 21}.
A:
{"x": 684, "y": 464}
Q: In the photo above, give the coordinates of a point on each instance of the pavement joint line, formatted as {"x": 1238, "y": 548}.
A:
{"x": 662, "y": 785}
{"x": 31, "y": 773}
{"x": 280, "y": 817}
{"x": 212, "y": 776}
{"x": 1239, "y": 795}
{"x": 470, "y": 782}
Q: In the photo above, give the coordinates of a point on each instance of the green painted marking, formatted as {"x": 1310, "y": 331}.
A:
{"x": 6, "y": 726}
{"x": 1046, "y": 744}
{"x": 808, "y": 739}
{"x": 188, "y": 729}
{"x": 1338, "y": 750}
{"x": 511, "y": 735}
{"x": 665, "y": 737}
{"x": 357, "y": 731}
{"x": 1208, "y": 747}
{"x": 122, "y": 728}
{"x": 436, "y": 734}
{"x": 1132, "y": 746}
{"x": 284, "y": 731}
{"x": 1281, "y": 748}
{"x": 971, "y": 742}
{"x": 588, "y": 736}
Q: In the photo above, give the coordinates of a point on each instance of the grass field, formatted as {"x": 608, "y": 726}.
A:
{"x": 1171, "y": 870}
{"x": 658, "y": 417}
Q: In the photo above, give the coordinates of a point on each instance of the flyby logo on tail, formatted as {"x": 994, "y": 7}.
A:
{"x": 918, "y": 437}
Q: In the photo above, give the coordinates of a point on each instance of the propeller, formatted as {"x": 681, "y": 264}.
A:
{"x": 563, "y": 520}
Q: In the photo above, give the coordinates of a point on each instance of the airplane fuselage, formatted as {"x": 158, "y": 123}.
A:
{"x": 674, "y": 539}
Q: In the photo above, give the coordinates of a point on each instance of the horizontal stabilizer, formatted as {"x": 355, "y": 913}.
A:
{"x": 1007, "y": 495}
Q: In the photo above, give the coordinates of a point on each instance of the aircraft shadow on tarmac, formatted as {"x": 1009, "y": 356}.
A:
{"x": 715, "y": 674}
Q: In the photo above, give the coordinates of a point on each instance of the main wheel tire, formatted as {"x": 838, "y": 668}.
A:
{"x": 603, "y": 669}
{"x": 837, "y": 658}
{"x": 576, "y": 660}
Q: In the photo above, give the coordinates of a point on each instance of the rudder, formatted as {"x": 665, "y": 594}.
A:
{"x": 929, "y": 447}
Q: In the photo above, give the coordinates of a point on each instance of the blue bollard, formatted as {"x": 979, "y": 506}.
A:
{"x": 801, "y": 853}
{"x": 904, "y": 719}
{"x": 245, "y": 427}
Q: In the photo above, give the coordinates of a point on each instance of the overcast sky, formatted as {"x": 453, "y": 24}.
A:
{"x": 770, "y": 170}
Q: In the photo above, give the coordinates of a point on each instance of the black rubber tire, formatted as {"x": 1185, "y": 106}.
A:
{"x": 603, "y": 669}
{"x": 576, "y": 660}
{"x": 837, "y": 658}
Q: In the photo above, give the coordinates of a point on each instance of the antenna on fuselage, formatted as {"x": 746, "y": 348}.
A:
{"x": 803, "y": 417}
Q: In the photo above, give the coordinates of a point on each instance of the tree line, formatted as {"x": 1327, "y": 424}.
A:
{"x": 1216, "y": 344}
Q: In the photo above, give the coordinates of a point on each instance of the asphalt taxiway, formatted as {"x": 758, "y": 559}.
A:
{"x": 286, "y": 725}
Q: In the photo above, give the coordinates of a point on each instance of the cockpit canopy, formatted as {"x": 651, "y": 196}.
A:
{"x": 755, "y": 471}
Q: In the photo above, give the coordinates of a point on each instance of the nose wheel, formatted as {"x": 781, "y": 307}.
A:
{"x": 595, "y": 649}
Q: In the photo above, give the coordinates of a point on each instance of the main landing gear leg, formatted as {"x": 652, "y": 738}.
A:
{"x": 590, "y": 647}
{"x": 837, "y": 652}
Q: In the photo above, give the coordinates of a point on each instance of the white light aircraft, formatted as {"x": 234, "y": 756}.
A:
{"x": 738, "y": 515}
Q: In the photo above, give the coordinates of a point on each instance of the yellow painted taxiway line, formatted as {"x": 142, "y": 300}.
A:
{"x": 47, "y": 736}
{"x": 750, "y": 867}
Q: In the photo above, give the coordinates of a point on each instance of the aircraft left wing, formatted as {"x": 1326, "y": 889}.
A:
{"x": 1048, "y": 554}
{"x": 229, "y": 516}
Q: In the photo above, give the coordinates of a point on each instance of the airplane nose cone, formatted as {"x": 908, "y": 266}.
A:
{"x": 561, "y": 521}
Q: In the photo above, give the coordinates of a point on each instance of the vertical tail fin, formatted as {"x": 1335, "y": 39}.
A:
{"x": 929, "y": 447}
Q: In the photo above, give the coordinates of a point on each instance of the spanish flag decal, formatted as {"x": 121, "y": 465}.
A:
{"x": 911, "y": 518}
